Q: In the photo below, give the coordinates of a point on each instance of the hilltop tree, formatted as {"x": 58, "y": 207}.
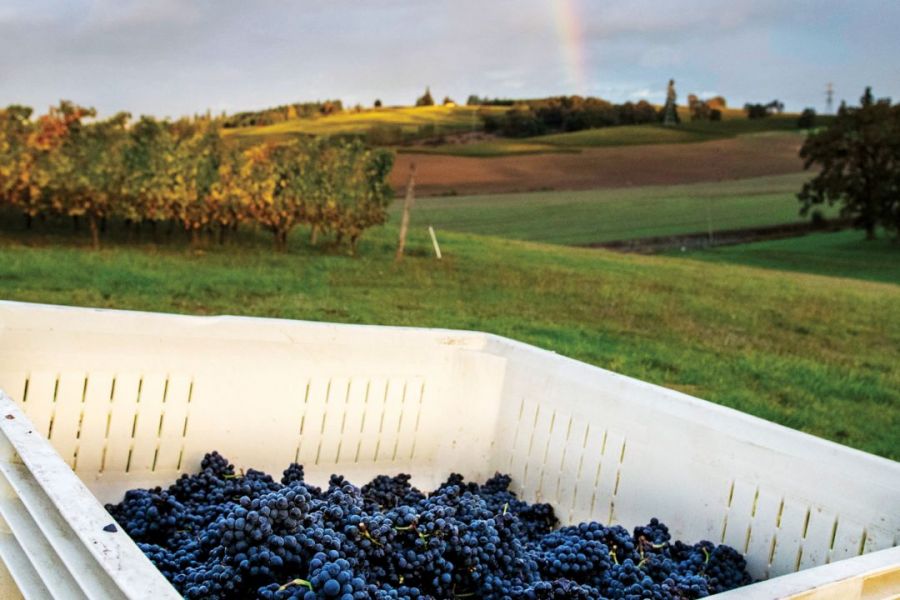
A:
{"x": 756, "y": 110}
{"x": 859, "y": 158}
{"x": 377, "y": 103}
{"x": 425, "y": 99}
{"x": 698, "y": 109}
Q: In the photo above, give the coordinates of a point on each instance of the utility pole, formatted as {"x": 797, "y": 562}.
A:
{"x": 829, "y": 98}
{"x": 407, "y": 205}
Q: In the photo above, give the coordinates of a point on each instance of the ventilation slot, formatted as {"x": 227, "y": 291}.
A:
{"x": 134, "y": 424}
{"x": 415, "y": 437}
{"x": 109, "y": 414}
{"x": 184, "y": 427}
{"x": 302, "y": 423}
{"x": 53, "y": 409}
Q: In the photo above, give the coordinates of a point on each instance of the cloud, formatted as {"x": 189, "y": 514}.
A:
{"x": 171, "y": 57}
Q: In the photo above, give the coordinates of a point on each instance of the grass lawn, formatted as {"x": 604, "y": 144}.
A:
{"x": 811, "y": 352}
{"x": 584, "y": 217}
{"x": 841, "y": 254}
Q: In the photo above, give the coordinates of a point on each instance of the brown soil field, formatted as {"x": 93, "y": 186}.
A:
{"x": 623, "y": 166}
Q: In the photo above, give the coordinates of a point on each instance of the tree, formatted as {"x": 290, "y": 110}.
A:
{"x": 16, "y": 158}
{"x": 228, "y": 202}
{"x": 425, "y": 99}
{"x": 448, "y": 101}
{"x": 372, "y": 193}
{"x": 775, "y": 107}
{"x": 196, "y": 160}
{"x": 278, "y": 181}
{"x": 154, "y": 176}
{"x": 377, "y": 102}
{"x": 67, "y": 163}
{"x": 858, "y": 155}
{"x": 698, "y": 109}
{"x": 82, "y": 167}
{"x": 46, "y": 159}
{"x": 91, "y": 176}
{"x": 756, "y": 111}
{"x": 807, "y": 119}
{"x": 761, "y": 111}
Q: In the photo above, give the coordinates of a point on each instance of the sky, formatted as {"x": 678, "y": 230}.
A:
{"x": 179, "y": 57}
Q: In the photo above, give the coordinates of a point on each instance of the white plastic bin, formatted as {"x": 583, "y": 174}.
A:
{"x": 132, "y": 399}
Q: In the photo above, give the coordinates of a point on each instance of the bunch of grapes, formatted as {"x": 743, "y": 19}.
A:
{"x": 223, "y": 534}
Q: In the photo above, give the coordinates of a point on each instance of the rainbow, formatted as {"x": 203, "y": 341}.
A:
{"x": 572, "y": 44}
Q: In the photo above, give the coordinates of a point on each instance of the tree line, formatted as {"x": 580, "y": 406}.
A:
{"x": 279, "y": 114}
{"x": 69, "y": 163}
{"x": 565, "y": 113}
{"x": 858, "y": 162}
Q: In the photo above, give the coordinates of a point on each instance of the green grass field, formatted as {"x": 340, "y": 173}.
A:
{"x": 593, "y": 216}
{"x": 627, "y": 135}
{"x": 807, "y": 351}
{"x": 841, "y": 254}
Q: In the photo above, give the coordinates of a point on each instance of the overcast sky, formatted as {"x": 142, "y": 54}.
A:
{"x": 174, "y": 57}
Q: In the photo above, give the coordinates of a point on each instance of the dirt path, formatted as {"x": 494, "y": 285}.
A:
{"x": 623, "y": 166}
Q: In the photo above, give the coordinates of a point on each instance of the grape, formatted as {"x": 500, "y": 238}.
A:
{"x": 223, "y": 534}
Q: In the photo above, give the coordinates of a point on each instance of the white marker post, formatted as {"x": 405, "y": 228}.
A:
{"x": 437, "y": 249}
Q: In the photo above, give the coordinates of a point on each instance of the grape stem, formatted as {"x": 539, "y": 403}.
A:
{"x": 365, "y": 533}
{"x": 296, "y": 582}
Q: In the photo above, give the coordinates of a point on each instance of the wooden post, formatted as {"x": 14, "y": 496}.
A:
{"x": 407, "y": 205}
{"x": 437, "y": 249}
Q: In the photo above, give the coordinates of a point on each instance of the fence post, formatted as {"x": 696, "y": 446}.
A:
{"x": 407, "y": 205}
{"x": 437, "y": 249}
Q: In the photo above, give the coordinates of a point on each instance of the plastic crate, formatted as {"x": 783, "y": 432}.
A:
{"x": 132, "y": 399}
